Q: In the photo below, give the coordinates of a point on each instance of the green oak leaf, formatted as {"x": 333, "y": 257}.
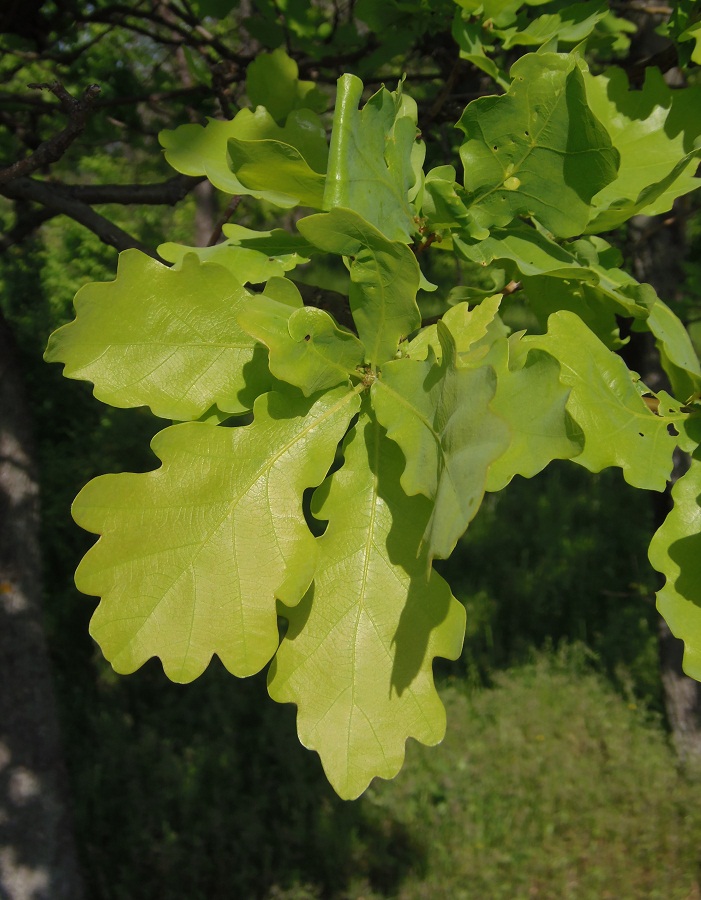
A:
{"x": 357, "y": 657}
{"x": 248, "y": 266}
{"x": 569, "y": 25}
{"x": 300, "y": 145}
{"x": 178, "y": 564}
{"x": 384, "y": 278}
{"x": 473, "y": 330}
{"x": 618, "y": 427}
{"x": 675, "y": 551}
{"x": 370, "y": 165}
{"x": 272, "y": 81}
{"x": 571, "y": 277}
{"x": 538, "y": 150}
{"x": 163, "y": 338}
{"x": 654, "y": 130}
{"x": 306, "y": 346}
{"x": 677, "y": 353}
{"x": 531, "y": 398}
{"x": 440, "y": 416}
{"x": 276, "y": 171}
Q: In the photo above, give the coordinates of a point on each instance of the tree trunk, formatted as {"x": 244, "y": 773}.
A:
{"x": 38, "y": 860}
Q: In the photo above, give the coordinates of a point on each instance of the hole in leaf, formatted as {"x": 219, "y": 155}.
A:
{"x": 641, "y": 434}
{"x": 671, "y": 430}
{"x": 307, "y": 337}
{"x": 495, "y": 147}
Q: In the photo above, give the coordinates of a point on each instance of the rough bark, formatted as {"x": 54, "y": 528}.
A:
{"x": 38, "y": 860}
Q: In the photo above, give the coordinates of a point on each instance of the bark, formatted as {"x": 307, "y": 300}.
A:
{"x": 38, "y": 860}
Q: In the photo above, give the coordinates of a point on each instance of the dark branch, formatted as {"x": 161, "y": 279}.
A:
{"x": 25, "y": 225}
{"x": 165, "y": 193}
{"x": 59, "y": 203}
{"x": 53, "y": 149}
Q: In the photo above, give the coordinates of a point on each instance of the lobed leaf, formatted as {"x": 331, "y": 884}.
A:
{"x": 675, "y": 551}
{"x": 618, "y": 427}
{"x": 300, "y": 146}
{"x": 357, "y": 657}
{"x": 538, "y": 150}
{"x": 440, "y": 416}
{"x": 654, "y": 130}
{"x": 163, "y": 338}
{"x": 306, "y": 346}
{"x": 370, "y": 166}
{"x": 178, "y": 565}
{"x": 384, "y": 275}
{"x": 272, "y": 81}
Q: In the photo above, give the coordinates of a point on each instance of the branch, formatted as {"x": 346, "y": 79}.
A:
{"x": 166, "y": 193}
{"x": 53, "y": 149}
{"x": 59, "y": 203}
{"x": 24, "y": 226}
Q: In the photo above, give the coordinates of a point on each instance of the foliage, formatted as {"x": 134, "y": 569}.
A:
{"x": 400, "y": 428}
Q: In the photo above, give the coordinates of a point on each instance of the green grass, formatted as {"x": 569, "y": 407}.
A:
{"x": 549, "y": 785}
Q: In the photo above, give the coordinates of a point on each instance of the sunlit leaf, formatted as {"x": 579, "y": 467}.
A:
{"x": 357, "y": 657}
{"x": 178, "y": 564}
{"x": 163, "y": 338}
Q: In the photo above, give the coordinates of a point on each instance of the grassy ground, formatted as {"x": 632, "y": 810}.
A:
{"x": 549, "y": 785}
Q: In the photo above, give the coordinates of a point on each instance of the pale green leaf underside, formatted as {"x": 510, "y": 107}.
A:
{"x": 384, "y": 276}
{"x": 306, "y": 347}
{"x": 440, "y": 416}
{"x": 675, "y": 551}
{"x": 357, "y": 658}
{"x": 370, "y": 167}
{"x": 619, "y": 429}
{"x": 537, "y": 150}
{"x": 163, "y": 338}
{"x": 178, "y": 565}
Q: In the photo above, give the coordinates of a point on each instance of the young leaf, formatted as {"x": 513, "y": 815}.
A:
{"x": 618, "y": 427}
{"x": 307, "y": 348}
{"x": 301, "y": 145}
{"x": 193, "y": 554}
{"x": 439, "y": 415}
{"x": 370, "y": 168}
{"x": 246, "y": 265}
{"x": 357, "y": 656}
{"x": 384, "y": 275}
{"x": 538, "y": 150}
{"x": 163, "y": 338}
{"x": 675, "y": 551}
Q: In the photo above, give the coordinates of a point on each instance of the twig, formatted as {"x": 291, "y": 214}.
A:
{"x": 52, "y": 150}
{"x": 228, "y": 213}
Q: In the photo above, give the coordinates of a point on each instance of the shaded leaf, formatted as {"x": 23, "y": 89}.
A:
{"x": 357, "y": 657}
{"x": 440, "y": 416}
{"x": 675, "y": 551}
{"x": 178, "y": 564}
{"x": 163, "y": 338}
{"x": 384, "y": 276}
